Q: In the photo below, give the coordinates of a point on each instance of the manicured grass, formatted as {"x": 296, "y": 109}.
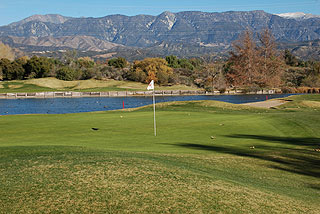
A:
{"x": 308, "y": 102}
{"x": 16, "y": 87}
{"x": 202, "y": 160}
{"x": 53, "y": 84}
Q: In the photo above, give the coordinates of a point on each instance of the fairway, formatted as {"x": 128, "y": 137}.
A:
{"x": 208, "y": 157}
{"x": 91, "y": 85}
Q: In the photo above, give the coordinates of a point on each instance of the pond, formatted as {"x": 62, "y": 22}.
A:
{"x": 89, "y": 104}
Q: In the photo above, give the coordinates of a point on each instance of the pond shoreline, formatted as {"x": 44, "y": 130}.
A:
{"x": 63, "y": 105}
{"x": 73, "y": 94}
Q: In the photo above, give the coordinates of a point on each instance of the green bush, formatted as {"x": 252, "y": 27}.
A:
{"x": 119, "y": 62}
{"x": 163, "y": 77}
{"x": 68, "y": 74}
{"x": 89, "y": 73}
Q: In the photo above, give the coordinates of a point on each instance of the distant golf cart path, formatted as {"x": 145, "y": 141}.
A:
{"x": 267, "y": 104}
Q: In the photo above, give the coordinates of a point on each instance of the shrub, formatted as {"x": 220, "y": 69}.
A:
{"x": 119, "y": 62}
{"x": 68, "y": 74}
{"x": 288, "y": 90}
{"x": 138, "y": 75}
{"x": 89, "y": 73}
{"x": 163, "y": 77}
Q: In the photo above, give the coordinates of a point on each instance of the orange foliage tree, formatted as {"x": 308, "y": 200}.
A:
{"x": 156, "y": 69}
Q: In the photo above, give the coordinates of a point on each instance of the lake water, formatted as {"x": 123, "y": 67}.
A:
{"x": 89, "y": 104}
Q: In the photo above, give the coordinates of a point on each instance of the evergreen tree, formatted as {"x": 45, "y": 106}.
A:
{"x": 38, "y": 67}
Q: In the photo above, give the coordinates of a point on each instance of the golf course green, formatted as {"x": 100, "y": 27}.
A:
{"x": 207, "y": 157}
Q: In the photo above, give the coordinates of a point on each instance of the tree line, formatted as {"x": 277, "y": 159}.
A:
{"x": 254, "y": 63}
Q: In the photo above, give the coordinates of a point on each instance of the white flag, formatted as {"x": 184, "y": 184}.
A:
{"x": 151, "y": 85}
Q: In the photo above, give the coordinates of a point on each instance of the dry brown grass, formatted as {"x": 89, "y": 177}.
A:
{"x": 108, "y": 55}
{"x": 52, "y": 83}
{"x": 310, "y": 104}
{"x": 224, "y": 105}
{"x": 92, "y": 83}
{"x": 15, "y": 86}
{"x": 85, "y": 84}
{"x": 134, "y": 185}
{"x": 78, "y": 84}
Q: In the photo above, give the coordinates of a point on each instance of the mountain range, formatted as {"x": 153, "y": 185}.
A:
{"x": 190, "y": 33}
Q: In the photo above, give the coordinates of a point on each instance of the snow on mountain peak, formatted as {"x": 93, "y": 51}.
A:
{"x": 297, "y": 15}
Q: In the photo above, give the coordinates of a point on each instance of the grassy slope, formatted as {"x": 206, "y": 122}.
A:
{"x": 57, "y": 163}
{"x": 53, "y": 84}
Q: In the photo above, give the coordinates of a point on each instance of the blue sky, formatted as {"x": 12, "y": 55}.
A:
{"x": 15, "y": 10}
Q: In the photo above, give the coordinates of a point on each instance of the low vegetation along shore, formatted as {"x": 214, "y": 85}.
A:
{"x": 208, "y": 157}
{"x": 18, "y": 88}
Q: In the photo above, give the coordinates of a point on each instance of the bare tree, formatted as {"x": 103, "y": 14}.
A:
{"x": 244, "y": 61}
{"x": 255, "y": 66}
{"x": 271, "y": 63}
{"x": 215, "y": 78}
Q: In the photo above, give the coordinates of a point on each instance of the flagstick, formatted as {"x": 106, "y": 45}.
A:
{"x": 154, "y": 115}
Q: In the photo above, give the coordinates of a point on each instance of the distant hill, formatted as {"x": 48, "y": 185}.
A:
{"x": 166, "y": 33}
{"x": 87, "y": 43}
{"x": 51, "y": 18}
{"x": 308, "y": 50}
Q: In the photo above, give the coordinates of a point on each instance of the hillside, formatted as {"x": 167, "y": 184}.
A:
{"x": 191, "y": 33}
{"x": 87, "y": 43}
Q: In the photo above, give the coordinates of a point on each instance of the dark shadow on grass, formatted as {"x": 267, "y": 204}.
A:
{"x": 313, "y": 186}
{"x": 299, "y": 141}
{"x": 304, "y": 161}
{"x": 21, "y": 152}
